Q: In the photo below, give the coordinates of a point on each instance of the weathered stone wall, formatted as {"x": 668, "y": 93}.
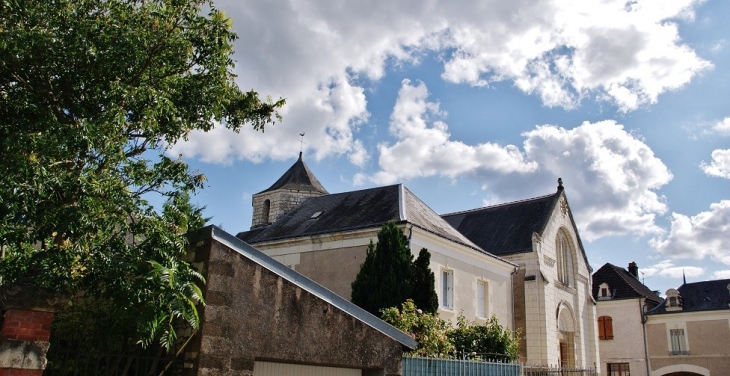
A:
{"x": 280, "y": 202}
{"x": 254, "y": 314}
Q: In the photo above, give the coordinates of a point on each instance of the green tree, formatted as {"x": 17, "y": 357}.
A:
{"x": 424, "y": 283}
{"x": 484, "y": 341}
{"x": 430, "y": 331}
{"x": 92, "y": 93}
{"x": 384, "y": 277}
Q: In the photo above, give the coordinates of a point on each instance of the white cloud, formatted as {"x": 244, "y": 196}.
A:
{"x": 720, "y": 165}
{"x": 611, "y": 175}
{"x": 314, "y": 53}
{"x": 423, "y": 147}
{"x": 721, "y": 274}
{"x": 722, "y": 127}
{"x": 667, "y": 268}
{"x": 700, "y": 236}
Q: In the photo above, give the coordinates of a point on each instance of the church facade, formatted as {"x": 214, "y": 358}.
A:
{"x": 521, "y": 262}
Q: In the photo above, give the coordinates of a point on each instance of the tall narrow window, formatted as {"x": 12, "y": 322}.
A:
{"x": 679, "y": 346}
{"x": 447, "y": 289}
{"x": 482, "y": 299}
{"x": 265, "y": 214}
{"x": 565, "y": 261}
{"x": 605, "y": 327}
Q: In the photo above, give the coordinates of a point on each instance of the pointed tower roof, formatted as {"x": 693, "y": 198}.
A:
{"x": 298, "y": 178}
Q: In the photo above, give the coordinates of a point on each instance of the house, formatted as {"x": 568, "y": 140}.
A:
{"x": 325, "y": 237}
{"x": 553, "y": 305}
{"x": 621, "y": 301}
{"x": 689, "y": 333}
{"x": 262, "y": 318}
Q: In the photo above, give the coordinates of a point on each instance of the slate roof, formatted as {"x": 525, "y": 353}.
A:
{"x": 701, "y": 296}
{"x": 347, "y": 211}
{"x": 506, "y": 228}
{"x": 213, "y": 232}
{"x": 623, "y": 285}
{"x": 298, "y": 178}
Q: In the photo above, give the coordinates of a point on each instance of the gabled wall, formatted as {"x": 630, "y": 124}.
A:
{"x": 253, "y": 314}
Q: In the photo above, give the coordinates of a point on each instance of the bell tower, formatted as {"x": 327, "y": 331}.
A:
{"x": 296, "y": 185}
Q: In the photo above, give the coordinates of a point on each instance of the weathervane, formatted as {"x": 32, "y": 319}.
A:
{"x": 301, "y": 142}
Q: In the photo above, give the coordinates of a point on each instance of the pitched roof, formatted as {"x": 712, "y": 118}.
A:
{"x": 213, "y": 232}
{"x": 623, "y": 285}
{"x": 507, "y": 228}
{"x": 347, "y": 211}
{"x": 701, "y": 296}
{"x": 298, "y": 178}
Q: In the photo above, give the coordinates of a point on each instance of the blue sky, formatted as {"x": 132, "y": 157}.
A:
{"x": 473, "y": 103}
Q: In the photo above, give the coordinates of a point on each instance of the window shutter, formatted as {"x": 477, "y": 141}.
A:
{"x": 601, "y": 331}
{"x": 608, "y": 321}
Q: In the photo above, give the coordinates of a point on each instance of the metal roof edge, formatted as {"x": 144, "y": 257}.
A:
{"x": 305, "y": 283}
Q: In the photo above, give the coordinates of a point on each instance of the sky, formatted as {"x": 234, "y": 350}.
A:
{"x": 475, "y": 103}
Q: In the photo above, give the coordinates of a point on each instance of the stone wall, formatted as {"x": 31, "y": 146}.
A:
{"x": 280, "y": 202}
{"x": 254, "y": 314}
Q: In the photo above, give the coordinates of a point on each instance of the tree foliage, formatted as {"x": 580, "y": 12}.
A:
{"x": 436, "y": 337}
{"x": 389, "y": 276}
{"x": 92, "y": 93}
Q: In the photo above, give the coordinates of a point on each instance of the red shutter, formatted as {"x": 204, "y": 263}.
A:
{"x": 601, "y": 331}
{"x": 608, "y": 321}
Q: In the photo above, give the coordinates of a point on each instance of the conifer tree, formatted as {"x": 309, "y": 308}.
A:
{"x": 424, "y": 283}
{"x": 389, "y": 276}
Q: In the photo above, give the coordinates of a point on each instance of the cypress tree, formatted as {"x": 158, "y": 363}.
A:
{"x": 424, "y": 283}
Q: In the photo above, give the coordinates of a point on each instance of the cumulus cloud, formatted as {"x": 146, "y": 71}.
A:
{"x": 704, "y": 235}
{"x": 316, "y": 53}
{"x": 611, "y": 175}
{"x": 721, "y": 274}
{"x": 720, "y": 164}
{"x": 667, "y": 268}
{"x": 722, "y": 127}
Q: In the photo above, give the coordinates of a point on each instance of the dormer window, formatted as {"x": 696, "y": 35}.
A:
{"x": 674, "y": 300}
{"x": 604, "y": 292}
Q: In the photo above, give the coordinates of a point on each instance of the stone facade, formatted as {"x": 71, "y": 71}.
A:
{"x": 255, "y": 313}
{"x": 557, "y": 318}
{"x": 707, "y": 339}
{"x": 269, "y": 206}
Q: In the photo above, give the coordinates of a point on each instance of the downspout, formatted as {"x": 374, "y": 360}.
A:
{"x": 644, "y": 319}
{"x": 512, "y": 298}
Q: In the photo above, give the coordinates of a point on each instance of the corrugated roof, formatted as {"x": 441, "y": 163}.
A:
{"x": 305, "y": 283}
{"x": 507, "y": 228}
{"x": 701, "y": 296}
{"x": 299, "y": 178}
{"x": 367, "y": 208}
{"x": 623, "y": 285}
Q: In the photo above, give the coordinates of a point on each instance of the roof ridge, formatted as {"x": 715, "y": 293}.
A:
{"x": 501, "y": 205}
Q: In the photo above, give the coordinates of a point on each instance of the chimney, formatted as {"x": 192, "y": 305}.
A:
{"x": 634, "y": 269}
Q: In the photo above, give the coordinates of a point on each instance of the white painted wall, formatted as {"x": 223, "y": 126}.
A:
{"x": 627, "y": 345}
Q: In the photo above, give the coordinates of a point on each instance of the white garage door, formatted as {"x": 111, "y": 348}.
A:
{"x": 283, "y": 369}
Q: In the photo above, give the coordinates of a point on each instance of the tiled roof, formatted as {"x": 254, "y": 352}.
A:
{"x": 368, "y": 208}
{"x": 299, "y": 178}
{"x": 702, "y": 296}
{"x": 623, "y": 285}
{"x": 507, "y": 228}
{"x": 213, "y": 232}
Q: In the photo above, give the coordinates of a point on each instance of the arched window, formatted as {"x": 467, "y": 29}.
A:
{"x": 267, "y": 207}
{"x": 565, "y": 260}
{"x": 605, "y": 327}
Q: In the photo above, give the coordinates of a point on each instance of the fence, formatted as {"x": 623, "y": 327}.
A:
{"x": 72, "y": 362}
{"x": 412, "y": 366}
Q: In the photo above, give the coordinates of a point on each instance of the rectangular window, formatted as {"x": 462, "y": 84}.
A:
{"x": 679, "y": 346}
{"x": 447, "y": 289}
{"x": 618, "y": 369}
{"x": 482, "y": 299}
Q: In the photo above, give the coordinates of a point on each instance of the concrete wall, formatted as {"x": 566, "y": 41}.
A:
{"x": 252, "y": 314}
{"x": 627, "y": 345}
{"x": 707, "y": 336}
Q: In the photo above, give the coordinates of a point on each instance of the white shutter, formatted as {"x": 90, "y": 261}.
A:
{"x": 481, "y": 306}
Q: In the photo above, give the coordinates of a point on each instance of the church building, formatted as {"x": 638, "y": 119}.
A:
{"x": 522, "y": 262}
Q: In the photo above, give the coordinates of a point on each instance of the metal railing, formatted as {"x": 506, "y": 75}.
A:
{"x": 72, "y": 362}
{"x": 412, "y": 366}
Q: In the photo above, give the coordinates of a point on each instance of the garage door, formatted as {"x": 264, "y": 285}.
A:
{"x": 283, "y": 369}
